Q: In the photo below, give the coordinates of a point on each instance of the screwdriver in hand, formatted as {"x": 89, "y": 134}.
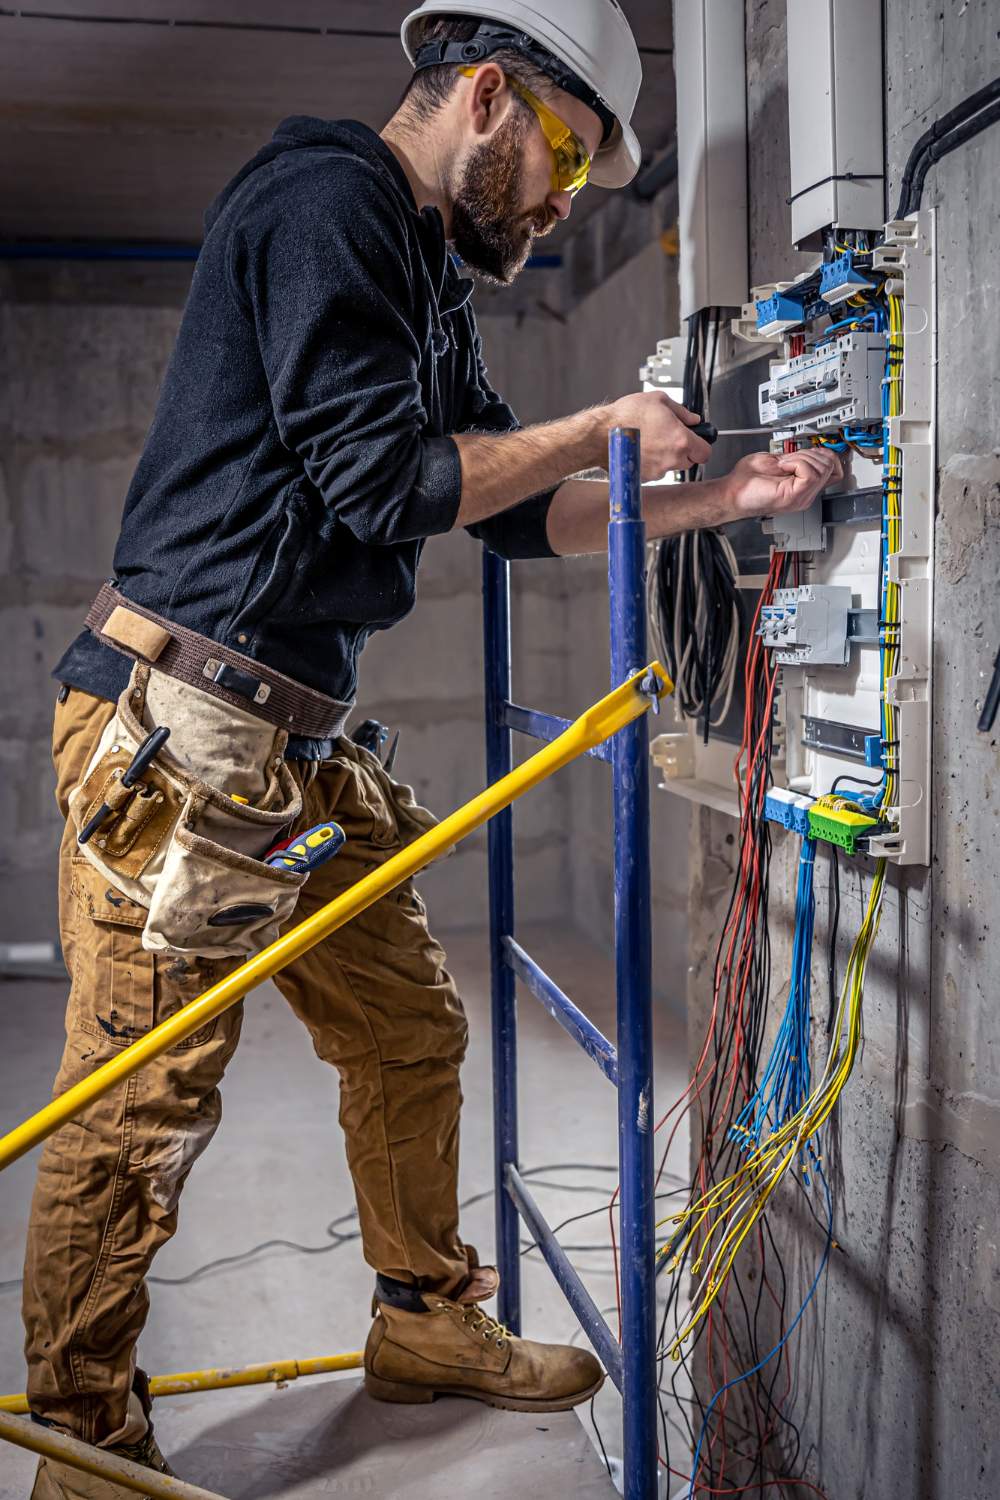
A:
{"x": 711, "y": 433}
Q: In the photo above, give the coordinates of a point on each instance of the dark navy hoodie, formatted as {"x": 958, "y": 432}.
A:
{"x": 300, "y": 451}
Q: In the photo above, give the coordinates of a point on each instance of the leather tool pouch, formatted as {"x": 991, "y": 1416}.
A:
{"x": 180, "y": 846}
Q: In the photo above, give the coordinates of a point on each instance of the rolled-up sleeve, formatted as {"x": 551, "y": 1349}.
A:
{"x": 329, "y": 282}
{"x": 521, "y": 531}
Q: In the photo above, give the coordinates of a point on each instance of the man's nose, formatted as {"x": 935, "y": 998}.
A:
{"x": 560, "y": 204}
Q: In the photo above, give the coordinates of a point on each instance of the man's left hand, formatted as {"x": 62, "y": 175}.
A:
{"x": 766, "y": 484}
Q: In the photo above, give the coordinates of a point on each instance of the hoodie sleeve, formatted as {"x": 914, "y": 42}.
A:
{"x": 322, "y": 258}
{"x": 521, "y": 531}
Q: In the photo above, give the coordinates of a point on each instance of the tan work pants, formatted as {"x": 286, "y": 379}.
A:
{"x": 378, "y": 1004}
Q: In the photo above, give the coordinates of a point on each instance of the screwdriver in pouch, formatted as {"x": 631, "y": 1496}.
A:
{"x": 305, "y": 852}
{"x": 140, "y": 762}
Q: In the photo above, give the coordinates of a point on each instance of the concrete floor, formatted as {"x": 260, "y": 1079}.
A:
{"x": 276, "y": 1170}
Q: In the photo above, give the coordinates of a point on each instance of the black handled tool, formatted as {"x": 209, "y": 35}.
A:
{"x": 711, "y": 433}
{"x": 140, "y": 762}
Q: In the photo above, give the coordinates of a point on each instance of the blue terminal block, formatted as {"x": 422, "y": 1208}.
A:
{"x": 840, "y": 279}
{"x": 788, "y": 809}
{"x": 778, "y": 313}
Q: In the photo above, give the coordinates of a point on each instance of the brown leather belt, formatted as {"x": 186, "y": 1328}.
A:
{"x": 214, "y": 668}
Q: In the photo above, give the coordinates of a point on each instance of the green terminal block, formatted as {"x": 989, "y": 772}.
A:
{"x": 839, "y": 826}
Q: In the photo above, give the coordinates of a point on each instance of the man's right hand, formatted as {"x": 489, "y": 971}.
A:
{"x": 664, "y": 426}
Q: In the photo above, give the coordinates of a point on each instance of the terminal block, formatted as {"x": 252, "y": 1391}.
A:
{"x": 836, "y": 384}
{"x": 840, "y": 279}
{"x": 789, "y": 809}
{"x": 807, "y": 626}
{"x": 841, "y": 826}
{"x": 779, "y": 313}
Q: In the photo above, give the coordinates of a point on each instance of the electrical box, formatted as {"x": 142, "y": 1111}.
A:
{"x": 835, "y": 117}
{"x": 710, "y": 65}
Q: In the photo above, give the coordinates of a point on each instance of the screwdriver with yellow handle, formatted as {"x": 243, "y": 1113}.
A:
{"x": 303, "y": 853}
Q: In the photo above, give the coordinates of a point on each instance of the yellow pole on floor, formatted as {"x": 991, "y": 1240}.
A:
{"x": 110, "y": 1467}
{"x": 598, "y": 724}
{"x": 278, "y": 1372}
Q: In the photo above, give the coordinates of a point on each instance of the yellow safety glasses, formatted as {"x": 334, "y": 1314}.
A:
{"x": 571, "y": 160}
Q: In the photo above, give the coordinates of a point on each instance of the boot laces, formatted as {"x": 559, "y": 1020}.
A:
{"x": 481, "y": 1322}
{"x": 145, "y": 1452}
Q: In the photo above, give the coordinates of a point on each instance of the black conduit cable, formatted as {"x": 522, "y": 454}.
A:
{"x": 951, "y": 130}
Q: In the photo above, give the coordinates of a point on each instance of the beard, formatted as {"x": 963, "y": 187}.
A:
{"x": 490, "y": 231}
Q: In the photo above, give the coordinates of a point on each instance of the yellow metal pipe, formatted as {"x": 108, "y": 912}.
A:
{"x": 598, "y": 724}
{"x": 224, "y": 1379}
{"x": 97, "y": 1461}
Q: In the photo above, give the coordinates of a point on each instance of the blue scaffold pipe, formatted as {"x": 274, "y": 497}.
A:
{"x": 500, "y": 846}
{"x": 626, "y": 576}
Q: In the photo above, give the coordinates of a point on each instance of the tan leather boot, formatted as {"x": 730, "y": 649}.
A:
{"x": 56, "y": 1481}
{"x": 451, "y": 1350}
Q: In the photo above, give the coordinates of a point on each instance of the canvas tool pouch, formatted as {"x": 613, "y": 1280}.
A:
{"x": 177, "y": 842}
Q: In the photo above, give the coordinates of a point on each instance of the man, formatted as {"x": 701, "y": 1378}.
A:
{"x": 326, "y": 410}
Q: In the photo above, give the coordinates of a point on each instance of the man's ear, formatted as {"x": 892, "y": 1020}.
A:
{"x": 488, "y": 98}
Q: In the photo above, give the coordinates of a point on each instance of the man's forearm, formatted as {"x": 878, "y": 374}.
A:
{"x": 501, "y": 471}
{"x": 578, "y": 517}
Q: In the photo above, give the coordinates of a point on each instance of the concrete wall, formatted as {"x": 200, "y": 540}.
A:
{"x": 897, "y": 1363}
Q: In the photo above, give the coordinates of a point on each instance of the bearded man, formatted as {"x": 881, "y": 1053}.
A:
{"x": 325, "y": 411}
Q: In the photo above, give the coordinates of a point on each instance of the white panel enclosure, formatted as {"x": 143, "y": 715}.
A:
{"x": 710, "y": 63}
{"x": 834, "y": 116}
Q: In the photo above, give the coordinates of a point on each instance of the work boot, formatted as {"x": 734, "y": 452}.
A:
{"x": 56, "y": 1481}
{"x": 446, "y": 1349}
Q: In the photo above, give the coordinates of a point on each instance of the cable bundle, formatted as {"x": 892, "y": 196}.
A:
{"x": 724, "y": 1217}
{"x": 696, "y": 621}
{"x": 953, "y": 129}
{"x": 784, "y": 1086}
{"x": 694, "y": 606}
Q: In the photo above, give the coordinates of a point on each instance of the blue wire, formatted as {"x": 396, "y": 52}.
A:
{"x": 782, "y": 1341}
{"x": 785, "y": 1084}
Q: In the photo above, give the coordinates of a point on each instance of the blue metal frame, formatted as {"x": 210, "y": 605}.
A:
{"x": 631, "y": 1364}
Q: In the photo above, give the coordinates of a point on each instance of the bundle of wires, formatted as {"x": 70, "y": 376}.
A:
{"x": 724, "y": 1217}
{"x": 953, "y": 129}
{"x": 696, "y": 621}
{"x": 784, "y": 1085}
{"x": 747, "y": 1422}
{"x": 694, "y": 605}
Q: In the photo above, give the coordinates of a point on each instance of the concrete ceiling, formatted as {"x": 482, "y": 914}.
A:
{"x": 121, "y": 119}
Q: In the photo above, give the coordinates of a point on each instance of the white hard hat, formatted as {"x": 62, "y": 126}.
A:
{"x": 590, "y": 38}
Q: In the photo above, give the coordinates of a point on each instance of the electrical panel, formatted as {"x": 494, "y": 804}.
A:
{"x": 851, "y": 628}
{"x": 835, "y": 117}
{"x": 709, "y": 54}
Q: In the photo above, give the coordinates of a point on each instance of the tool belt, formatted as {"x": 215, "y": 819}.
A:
{"x": 179, "y": 843}
{"x": 216, "y": 669}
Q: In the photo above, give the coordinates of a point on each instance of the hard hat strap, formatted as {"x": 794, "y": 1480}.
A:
{"x": 490, "y": 39}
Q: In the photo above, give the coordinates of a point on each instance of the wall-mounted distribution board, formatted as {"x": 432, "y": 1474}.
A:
{"x": 851, "y": 630}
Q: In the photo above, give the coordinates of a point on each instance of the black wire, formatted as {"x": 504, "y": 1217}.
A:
{"x": 943, "y": 148}
{"x": 339, "y": 1238}
{"x": 600, "y": 1440}
{"x": 941, "y": 138}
